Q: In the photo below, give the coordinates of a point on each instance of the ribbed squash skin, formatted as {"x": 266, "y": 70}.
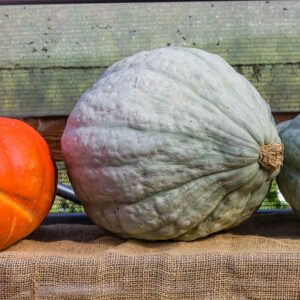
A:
{"x": 165, "y": 146}
{"x": 289, "y": 177}
{"x": 27, "y": 180}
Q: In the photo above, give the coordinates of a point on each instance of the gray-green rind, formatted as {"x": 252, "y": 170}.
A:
{"x": 165, "y": 146}
{"x": 289, "y": 177}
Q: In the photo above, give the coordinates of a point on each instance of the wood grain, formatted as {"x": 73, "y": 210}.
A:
{"x": 50, "y": 54}
{"x": 51, "y": 128}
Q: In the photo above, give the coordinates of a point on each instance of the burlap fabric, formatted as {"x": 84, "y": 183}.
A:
{"x": 258, "y": 260}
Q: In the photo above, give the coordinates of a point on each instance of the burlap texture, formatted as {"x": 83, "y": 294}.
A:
{"x": 258, "y": 260}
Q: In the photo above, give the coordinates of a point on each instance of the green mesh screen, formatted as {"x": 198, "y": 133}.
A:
{"x": 50, "y": 54}
{"x": 274, "y": 199}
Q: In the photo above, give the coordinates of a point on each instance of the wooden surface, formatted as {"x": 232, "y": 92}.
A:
{"x": 51, "y": 128}
{"x": 50, "y": 54}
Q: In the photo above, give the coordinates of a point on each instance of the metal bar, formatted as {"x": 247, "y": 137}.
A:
{"x": 274, "y": 211}
{"x": 82, "y": 218}
{"x": 66, "y": 192}
{"x": 67, "y": 218}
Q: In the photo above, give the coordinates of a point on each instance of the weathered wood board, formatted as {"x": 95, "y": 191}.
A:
{"x": 50, "y": 54}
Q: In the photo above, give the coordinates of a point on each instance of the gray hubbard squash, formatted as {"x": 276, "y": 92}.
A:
{"x": 289, "y": 177}
{"x": 171, "y": 143}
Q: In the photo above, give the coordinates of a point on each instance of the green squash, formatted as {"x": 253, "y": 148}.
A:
{"x": 171, "y": 143}
{"x": 289, "y": 177}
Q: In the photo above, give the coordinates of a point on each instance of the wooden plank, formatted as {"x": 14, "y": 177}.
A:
{"x": 50, "y": 54}
{"x": 51, "y": 128}
{"x": 54, "y": 91}
{"x": 281, "y": 117}
{"x": 243, "y": 32}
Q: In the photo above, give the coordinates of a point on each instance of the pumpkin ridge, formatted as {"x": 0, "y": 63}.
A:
{"x": 143, "y": 64}
{"x": 259, "y": 102}
{"x": 230, "y": 119}
{"x": 206, "y": 96}
{"x": 203, "y": 95}
{"x": 147, "y": 198}
{"x": 16, "y": 200}
{"x": 208, "y": 137}
{"x": 133, "y": 163}
{"x": 220, "y": 204}
{"x": 156, "y": 192}
{"x": 202, "y": 58}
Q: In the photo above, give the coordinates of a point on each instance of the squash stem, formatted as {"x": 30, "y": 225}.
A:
{"x": 271, "y": 156}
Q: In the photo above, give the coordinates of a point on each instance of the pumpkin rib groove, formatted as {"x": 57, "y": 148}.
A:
{"x": 246, "y": 212}
{"x": 195, "y": 167}
{"x": 14, "y": 195}
{"x": 233, "y": 71}
{"x": 123, "y": 68}
{"x": 249, "y": 183}
{"x": 165, "y": 131}
{"x": 213, "y": 151}
{"x": 221, "y": 204}
{"x": 196, "y": 94}
{"x": 204, "y": 96}
{"x": 168, "y": 75}
{"x": 157, "y": 194}
{"x": 159, "y": 129}
{"x": 257, "y": 112}
{"x": 150, "y": 195}
{"x": 209, "y": 137}
{"x": 246, "y": 161}
{"x": 237, "y": 124}
{"x": 197, "y": 177}
{"x": 17, "y": 199}
{"x": 242, "y": 184}
{"x": 203, "y": 58}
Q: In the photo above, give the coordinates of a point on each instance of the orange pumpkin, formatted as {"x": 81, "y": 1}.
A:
{"x": 27, "y": 180}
